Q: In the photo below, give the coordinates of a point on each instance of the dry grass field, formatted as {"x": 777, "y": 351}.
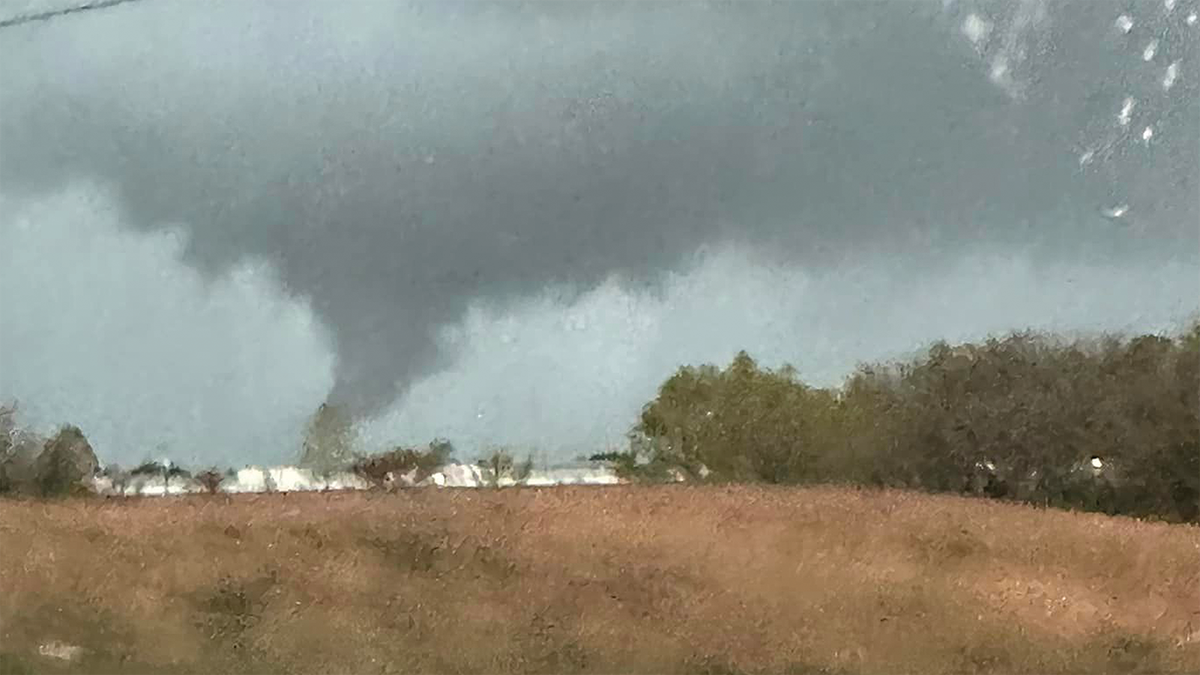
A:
{"x": 608, "y": 580}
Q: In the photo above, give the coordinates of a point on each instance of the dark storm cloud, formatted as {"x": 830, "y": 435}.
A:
{"x": 398, "y": 162}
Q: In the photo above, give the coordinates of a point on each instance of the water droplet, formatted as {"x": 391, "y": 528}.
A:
{"x": 1191, "y": 19}
{"x": 1126, "y": 111}
{"x": 1169, "y": 77}
{"x": 1117, "y": 211}
{"x": 1150, "y": 50}
{"x": 999, "y": 68}
{"x": 1124, "y": 23}
{"x": 976, "y": 28}
{"x": 1147, "y": 134}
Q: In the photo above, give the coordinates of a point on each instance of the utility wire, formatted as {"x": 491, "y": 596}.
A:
{"x": 53, "y": 14}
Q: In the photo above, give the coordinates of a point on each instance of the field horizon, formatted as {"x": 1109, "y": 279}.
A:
{"x": 631, "y": 578}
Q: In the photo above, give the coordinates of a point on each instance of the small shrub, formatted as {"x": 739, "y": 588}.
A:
{"x": 500, "y": 465}
{"x": 401, "y": 461}
{"x": 165, "y": 468}
{"x": 211, "y": 480}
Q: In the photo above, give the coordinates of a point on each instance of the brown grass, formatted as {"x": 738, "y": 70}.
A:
{"x": 609, "y": 580}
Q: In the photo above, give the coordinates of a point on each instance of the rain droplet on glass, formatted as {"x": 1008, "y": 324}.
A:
{"x": 1150, "y": 50}
{"x": 1117, "y": 211}
{"x": 1191, "y": 19}
{"x": 1171, "y": 74}
{"x": 975, "y": 28}
{"x": 999, "y": 68}
{"x": 1124, "y": 23}
{"x": 1126, "y": 111}
{"x": 1147, "y": 134}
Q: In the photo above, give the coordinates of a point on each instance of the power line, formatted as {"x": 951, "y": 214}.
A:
{"x": 44, "y": 16}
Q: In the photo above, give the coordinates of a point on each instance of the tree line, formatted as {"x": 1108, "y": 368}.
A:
{"x": 1105, "y": 424}
{"x": 31, "y": 465}
{"x": 64, "y": 465}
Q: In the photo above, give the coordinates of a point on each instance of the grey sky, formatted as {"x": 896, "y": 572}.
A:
{"x": 484, "y": 220}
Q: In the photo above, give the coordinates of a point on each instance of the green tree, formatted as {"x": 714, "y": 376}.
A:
{"x": 65, "y": 463}
{"x": 740, "y": 423}
{"x": 1019, "y": 416}
{"x": 328, "y": 440}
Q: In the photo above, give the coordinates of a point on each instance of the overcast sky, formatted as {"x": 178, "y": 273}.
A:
{"x": 508, "y": 223}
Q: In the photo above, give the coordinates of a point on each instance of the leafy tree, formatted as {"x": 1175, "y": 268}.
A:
{"x": 18, "y": 469}
{"x": 499, "y": 465}
{"x": 1017, "y": 417}
{"x": 401, "y": 461}
{"x": 65, "y": 463}
{"x": 161, "y": 467}
{"x": 211, "y": 479}
{"x": 741, "y": 423}
{"x": 328, "y": 441}
{"x": 118, "y": 476}
{"x": 496, "y": 465}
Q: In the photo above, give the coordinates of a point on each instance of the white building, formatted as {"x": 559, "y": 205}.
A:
{"x": 289, "y": 479}
{"x": 254, "y": 479}
{"x": 574, "y": 476}
{"x": 470, "y": 475}
{"x": 147, "y": 485}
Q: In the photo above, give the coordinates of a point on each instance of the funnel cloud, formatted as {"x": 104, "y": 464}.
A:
{"x": 507, "y": 222}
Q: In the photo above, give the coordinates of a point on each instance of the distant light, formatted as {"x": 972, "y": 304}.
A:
{"x": 1124, "y": 23}
{"x": 1097, "y": 463}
